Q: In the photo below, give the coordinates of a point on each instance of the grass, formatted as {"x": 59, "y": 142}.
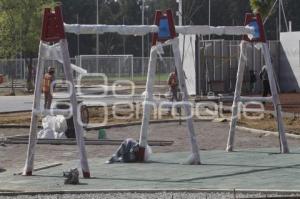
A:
{"x": 163, "y": 77}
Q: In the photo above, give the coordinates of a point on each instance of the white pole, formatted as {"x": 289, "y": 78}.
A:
{"x": 34, "y": 117}
{"x": 214, "y": 59}
{"x": 284, "y": 17}
{"x": 73, "y": 100}
{"x": 148, "y": 98}
{"x": 276, "y": 101}
{"x": 78, "y": 38}
{"x": 236, "y": 99}
{"x": 230, "y": 64}
{"x": 131, "y": 70}
{"x": 97, "y": 36}
{"x": 180, "y": 21}
{"x": 209, "y": 15}
{"x": 143, "y": 21}
{"x": 195, "y": 158}
{"x": 119, "y": 68}
{"x": 124, "y": 43}
{"x": 222, "y": 60}
{"x": 254, "y": 62}
{"x": 279, "y": 18}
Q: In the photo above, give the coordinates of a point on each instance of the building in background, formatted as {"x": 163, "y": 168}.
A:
{"x": 289, "y": 74}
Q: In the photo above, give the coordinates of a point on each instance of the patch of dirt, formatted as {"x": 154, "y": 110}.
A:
{"x": 126, "y": 114}
{"x": 15, "y": 118}
{"x": 109, "y": 115}
{"x": 289, "y": 102}
{"x": 268, "y": 123}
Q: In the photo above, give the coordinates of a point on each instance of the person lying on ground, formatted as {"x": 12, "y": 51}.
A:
{"x": 128, "y": 152}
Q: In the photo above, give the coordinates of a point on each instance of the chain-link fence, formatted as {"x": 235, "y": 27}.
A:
{"x": 125, "y": 66}
{"x": 13, "y": 68}
{"x": 218, "y": 64}
{"x": 115, "y": 67}
{"x": 216, "y": 69}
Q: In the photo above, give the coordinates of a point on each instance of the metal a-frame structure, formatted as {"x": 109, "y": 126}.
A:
{"x": 166, "y": 36}
{"x": 255, "y": 21}
{"x": 53, "y": 35}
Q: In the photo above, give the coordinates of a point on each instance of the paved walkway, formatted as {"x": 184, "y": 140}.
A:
{"x": 24, "y": 103}
{"x": 261, "y": 169}
{"x": 15, "y": 103}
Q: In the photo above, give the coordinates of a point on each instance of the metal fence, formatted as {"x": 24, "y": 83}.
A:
{"x": 215, "y": 70}
{"x": 114, "y": 67}
{"x": 218, "y": 64}
{"x": 125, "y": 66}
{"x": 13, "y": 68}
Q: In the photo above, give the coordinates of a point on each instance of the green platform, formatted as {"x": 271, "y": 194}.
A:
{"x": 262, "y": 169}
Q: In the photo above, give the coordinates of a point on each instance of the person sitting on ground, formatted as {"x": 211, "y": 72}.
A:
{"x": 47, "y": 81}
{"x": 265, "y": 80}
{"x": 128, "y": 152}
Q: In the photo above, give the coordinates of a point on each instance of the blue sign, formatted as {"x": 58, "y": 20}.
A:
{"x": 255, "y": 25}
{"x": 164, "y": 30}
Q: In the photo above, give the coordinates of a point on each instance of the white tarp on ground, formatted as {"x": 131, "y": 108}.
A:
{"x": 289, "y": 74}
{"x": 187, "y": 50}
{"x": 54, "y": 127}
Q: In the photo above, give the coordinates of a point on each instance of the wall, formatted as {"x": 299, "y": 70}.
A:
{"x": 290, "y": 64}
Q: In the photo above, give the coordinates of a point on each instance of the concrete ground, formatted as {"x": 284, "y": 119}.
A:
{"x": 210, "y": 136}
{"x": 250, "y": 169}
{"x": 24, "y": 102}
{"x": 255, "y": 165}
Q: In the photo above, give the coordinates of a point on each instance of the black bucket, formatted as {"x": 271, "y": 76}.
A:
{"x": 70, "y": 132}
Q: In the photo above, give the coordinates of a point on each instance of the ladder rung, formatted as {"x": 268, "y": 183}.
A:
{"x": 171, "y": 104}
{"x": 257, "y": 99}
{"x": 64, "y": 112}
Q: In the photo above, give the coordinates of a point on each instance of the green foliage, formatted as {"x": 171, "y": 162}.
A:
{"x": 20, "y": 25}
{"x": 262, "y": 6}
{"x": 20, "y": 21}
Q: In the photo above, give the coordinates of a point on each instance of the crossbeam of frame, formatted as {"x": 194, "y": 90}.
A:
{"x": 140, "y": 30}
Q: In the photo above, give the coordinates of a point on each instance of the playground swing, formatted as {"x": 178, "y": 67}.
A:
{"x": 164, "y": 33}
{"x": 216, "y": 66}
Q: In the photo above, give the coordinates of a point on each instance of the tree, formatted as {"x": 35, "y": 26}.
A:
{"x": 262, "y": 6}
{"x": 20, "y": 30}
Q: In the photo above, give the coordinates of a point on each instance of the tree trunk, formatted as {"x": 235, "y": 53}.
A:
{"x": 29, "y": 83}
